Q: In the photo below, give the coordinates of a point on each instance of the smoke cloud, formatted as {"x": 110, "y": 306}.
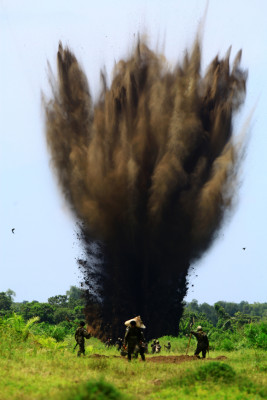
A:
{"x": 149, "y": 169}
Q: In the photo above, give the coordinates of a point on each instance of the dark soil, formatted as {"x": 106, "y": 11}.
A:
{"x": 179, "y": 359}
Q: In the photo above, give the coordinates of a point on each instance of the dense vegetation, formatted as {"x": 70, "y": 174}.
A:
{"x": 55, "y": 311}
{"x": 249, "y": 312}
{"x": 71, "y": 305}
{"x": 38, "y": 360}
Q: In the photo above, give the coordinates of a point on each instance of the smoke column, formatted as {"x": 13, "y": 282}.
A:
{"x": 149, "y": 169}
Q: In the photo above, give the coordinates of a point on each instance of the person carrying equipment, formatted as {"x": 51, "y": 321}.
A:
{"x": 80, "y": 334}
{"x": 202, "y": 342}
{"x": 168, "y": 347}
{"x": 134, "y": 340}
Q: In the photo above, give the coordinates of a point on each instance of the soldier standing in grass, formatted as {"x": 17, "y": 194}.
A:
{"x": 80, "y": 334}
{"x": 158, "y": 347}
{"x": 119, "y": 343}
{"x": 153, "y": 346}
{"x": 202, "y": 342}
{"x": 108, "y": 343}
{"x": 168, "y": 347}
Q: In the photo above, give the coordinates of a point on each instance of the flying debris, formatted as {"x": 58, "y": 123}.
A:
{"x": 149, "y": 170}
{"x": 244, "y": 248}
{"x": 13, "y": 230}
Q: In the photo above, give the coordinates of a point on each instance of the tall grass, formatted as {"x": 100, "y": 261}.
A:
{"x": 37, "y": 366}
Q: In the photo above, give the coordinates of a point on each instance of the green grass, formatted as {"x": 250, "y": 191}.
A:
{"x": 40, "y": 368}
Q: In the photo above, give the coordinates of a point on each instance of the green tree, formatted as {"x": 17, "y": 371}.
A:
{"x": 241, "y": 319}
{"x": 193, "y": 306}
{"x": 210, "y": 312}
{"x": 43, "y": 310}
{"x": 245, "y": 307}
{"x": 224, "y": 319}
{"x": 11, "y": 294}
{"x": 191, "y": 319}
{"x": 75, "y": 296}
{"x": 61, "y": 314}
{"x": 59, "y": 300}
{"x": 5, "y": 303}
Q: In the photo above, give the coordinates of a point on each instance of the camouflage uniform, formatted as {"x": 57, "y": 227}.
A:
{"x": 202, "y": 343}
{"x": 168, "y": 347}
{"x": 118, "y": 344}
{"x": 157, "y": 347}
{"x": 134, "y": 339}
{"x": 153, "y": 346}
{"x": 80, "y": 334}
{"x": 108, "y": 343}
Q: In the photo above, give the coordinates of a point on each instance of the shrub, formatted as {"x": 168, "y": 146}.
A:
{"x": 58, "y": 332}
{"x": 215, "y": 371}
{"x": 256, "y": 335}
{"x": 15, "y": 325}
{"x": 209, "y": 372}
{"x": 95, "y": 390}
{"x": 50, "y": 343}
{"x": 227, "y": 344}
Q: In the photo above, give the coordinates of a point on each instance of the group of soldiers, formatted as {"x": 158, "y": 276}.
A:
{"x": 134, "y": 341}
{"x": 156, "y": 347}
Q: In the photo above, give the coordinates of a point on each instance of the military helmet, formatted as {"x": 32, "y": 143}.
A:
{"x": 199, "y": 328}
{"x": 82, "y": 323}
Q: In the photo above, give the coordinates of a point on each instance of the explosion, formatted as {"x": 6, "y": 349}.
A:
{"x": 149, "y": 169}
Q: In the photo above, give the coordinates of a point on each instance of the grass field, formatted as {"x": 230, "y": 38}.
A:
{"x": 45, "y": 369}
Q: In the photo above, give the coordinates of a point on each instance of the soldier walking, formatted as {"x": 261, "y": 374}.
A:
{"x": 134, "y": 340}
{"x": 202, "y": 342}
{"x": 80, "y": 334}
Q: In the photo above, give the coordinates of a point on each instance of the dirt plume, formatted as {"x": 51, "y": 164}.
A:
{"x": 149, "y": 169}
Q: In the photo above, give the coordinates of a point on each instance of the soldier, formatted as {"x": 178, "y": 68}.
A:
{"x": 158, "y": 347}
{"x": 202, "y": 342}
{"x": 168, "y": 347}
{"x": 80, "y": 334}
{"x": 133, "y": 339}
{"x": 108, "y": 343}
{"x": 141, "y": 348}
{"x": 119, "y": 343}
{"x": 146, "y": 347}
{"x": 153, "y": 346}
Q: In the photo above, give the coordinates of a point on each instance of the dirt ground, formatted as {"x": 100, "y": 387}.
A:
{"x": 167, "y": 359}
{"x": 179, "y": 359}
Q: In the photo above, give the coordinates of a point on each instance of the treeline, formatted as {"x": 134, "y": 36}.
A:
{"x": 227, "y": 310}
{"x": 225, "y": 322}
{"x": 57, "y": 309}
{"x": 229, "y": 326}
{"x": 70, "y": 306}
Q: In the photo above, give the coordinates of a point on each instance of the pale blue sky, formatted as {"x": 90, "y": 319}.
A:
{"x": 38, "y": 261}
